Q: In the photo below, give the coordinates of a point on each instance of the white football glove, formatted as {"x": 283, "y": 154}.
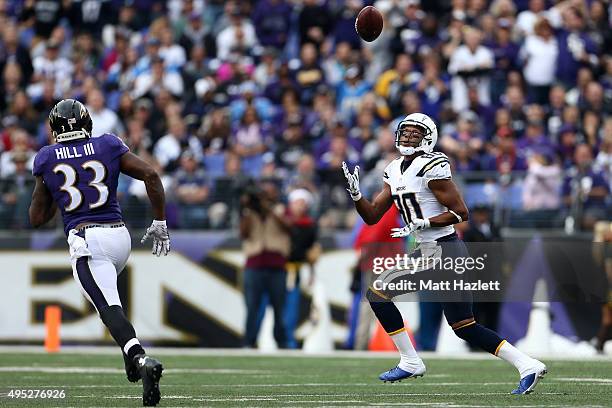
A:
{"x": 353, "y": 182}
{"x": 415, "y": 225}
{"x": 158, "y": 232}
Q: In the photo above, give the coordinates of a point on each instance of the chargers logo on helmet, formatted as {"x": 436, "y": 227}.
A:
{"x": 430, "y": 134}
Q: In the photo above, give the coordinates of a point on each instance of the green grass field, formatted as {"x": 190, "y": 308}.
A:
{"x": 269, "y": 381}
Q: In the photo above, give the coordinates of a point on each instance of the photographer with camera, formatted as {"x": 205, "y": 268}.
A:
{"x": 266, "y": 242}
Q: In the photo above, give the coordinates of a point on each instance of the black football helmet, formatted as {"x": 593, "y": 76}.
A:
{"x": 70, "y": 120}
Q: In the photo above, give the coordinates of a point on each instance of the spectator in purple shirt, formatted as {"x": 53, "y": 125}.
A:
{"x": 432, "y": 87}
{"x": 585, "y": 190}
{"x": 606, "y": 79}
{"x": 505, "y": 53}
{"x": 344, "y": 29}
{"x": 514, "y": 101}
{"x": 465, "y": 135}
{"x": 556, "y": 103}
{"x": 485, "y": 114}
{"x": 594, "y": 99}
{"x": 534, "y": 137}
{"x": 423, "y": 41}
{"x": 339, "y": 150}
{"x": 464, "y": 159}
{"x": 576, "y": 48}
{"x": 292, "y": 144}
{"x": 282, "y": 82}
{"x": 568, "y": 137}
{"x": 272, "y": 21}
{"x": 509, "y": 157}
{"x": 315, "y": 22}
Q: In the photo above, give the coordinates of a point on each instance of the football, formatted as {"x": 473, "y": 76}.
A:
{"x": 369, "y": 23}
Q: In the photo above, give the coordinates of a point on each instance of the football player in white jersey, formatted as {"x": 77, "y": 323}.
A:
{"x": 420, "y": 184}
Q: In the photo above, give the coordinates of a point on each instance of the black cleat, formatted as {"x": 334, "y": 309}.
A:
{"x": 150, "y": 372}
{"x": 131, "y": 369}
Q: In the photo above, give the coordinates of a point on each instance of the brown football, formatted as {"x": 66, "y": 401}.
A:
{"x": 369, "y": 23}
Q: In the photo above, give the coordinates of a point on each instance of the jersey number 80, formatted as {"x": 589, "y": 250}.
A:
{"x": 407, "y": 205}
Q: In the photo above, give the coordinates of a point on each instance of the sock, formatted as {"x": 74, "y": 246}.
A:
{"x": 523, "y": 363}
{"x": 132, "y": 348}
{"x": 391, "y": 320}
{"x": 480, "y": 336}
{"x": 409, "y": 359}
{"x": 121, "y": 330}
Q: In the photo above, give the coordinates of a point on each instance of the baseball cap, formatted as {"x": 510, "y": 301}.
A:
{"x": 301, "y": 194}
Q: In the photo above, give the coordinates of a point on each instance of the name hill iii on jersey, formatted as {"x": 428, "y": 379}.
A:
{"x": 72, "y": 152}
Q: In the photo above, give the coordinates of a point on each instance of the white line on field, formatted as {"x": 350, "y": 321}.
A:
{"x": 241, "y": 399}
{"x": 584, "y": 379}
{"x": 322, "y": 401}
{"x": 454, "y": 405}
{"x": 345, "y": 384}
{"x": 411, "y": 394}
{"x": 109, "y": 370}
{"x": 418, "y": 382}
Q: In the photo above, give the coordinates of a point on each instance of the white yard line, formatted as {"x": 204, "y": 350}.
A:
{"x": 108, "y": 370}
{"x": 583, "y": 379}
{"x": 217, "y": 352}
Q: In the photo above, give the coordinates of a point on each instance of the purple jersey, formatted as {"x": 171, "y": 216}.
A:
{"x": 82, "y": 176}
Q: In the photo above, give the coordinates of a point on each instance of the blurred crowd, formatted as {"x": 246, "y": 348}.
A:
{"x": 215, "y": 93}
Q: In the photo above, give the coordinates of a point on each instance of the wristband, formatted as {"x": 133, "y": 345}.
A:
{"x": 459, "y": 219}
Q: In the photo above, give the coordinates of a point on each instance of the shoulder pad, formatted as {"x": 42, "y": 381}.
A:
{"x": 431, "y": 163}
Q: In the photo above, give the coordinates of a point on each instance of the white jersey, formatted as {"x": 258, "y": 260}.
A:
{"x": 411, "y": 193}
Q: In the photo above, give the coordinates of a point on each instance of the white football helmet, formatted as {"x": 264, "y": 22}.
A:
{"x": 430, "y": 137}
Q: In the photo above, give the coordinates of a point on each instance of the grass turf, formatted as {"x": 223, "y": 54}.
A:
{"x": 254, "y": 381}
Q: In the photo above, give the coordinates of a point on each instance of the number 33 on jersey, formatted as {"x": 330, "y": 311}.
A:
{"x": 411, "y": 193}
{"x": 82, "y": 177}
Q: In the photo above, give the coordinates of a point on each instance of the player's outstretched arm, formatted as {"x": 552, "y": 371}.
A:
{"x": 370, "y": 212}
{"x": 42, "y": 208}
{"x": 448, "y": 195}
{"x": 137, "y": 168}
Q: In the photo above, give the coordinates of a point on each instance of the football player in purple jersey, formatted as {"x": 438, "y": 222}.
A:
{"x": 79, "y": 174}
